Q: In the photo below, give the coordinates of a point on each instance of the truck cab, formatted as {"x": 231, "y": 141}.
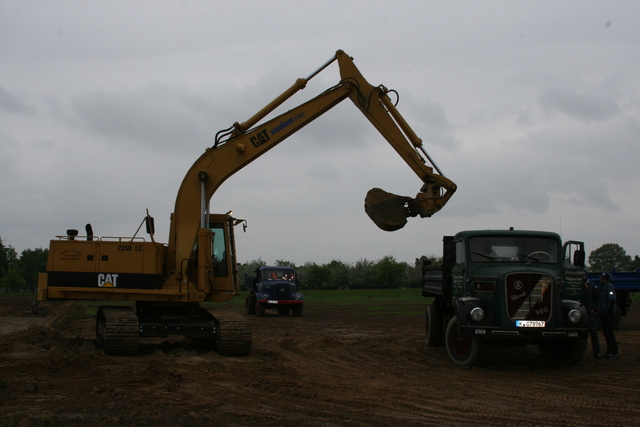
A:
{"x": 511, "y": 287}
{"x": 273, "y": 287}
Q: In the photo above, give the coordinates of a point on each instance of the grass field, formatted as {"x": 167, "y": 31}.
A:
{"x": 375, "y": 300}
{"x": 365, "y": 296}
{"x": 370, "y": 299}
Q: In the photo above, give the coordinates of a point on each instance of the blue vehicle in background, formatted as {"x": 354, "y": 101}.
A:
{"x": 625, "y": 283}
{"x": 273, "y": 287}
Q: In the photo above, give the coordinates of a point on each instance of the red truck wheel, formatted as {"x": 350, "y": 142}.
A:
{"x": 463, "y": 351}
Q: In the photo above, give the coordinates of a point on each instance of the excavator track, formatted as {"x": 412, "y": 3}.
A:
{"x": 117, "y": 330}
{"x": 234, "y": 334}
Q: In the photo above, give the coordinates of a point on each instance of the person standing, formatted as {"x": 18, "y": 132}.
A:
{"x": 607, "y": 312}
{"x": 590, "y": 294}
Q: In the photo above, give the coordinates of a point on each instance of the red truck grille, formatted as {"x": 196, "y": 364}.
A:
{"x": 529, "y": 296}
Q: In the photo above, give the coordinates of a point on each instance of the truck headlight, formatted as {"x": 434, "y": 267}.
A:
{"x": 574, "y": 316}
{"x": 477, "y": 314}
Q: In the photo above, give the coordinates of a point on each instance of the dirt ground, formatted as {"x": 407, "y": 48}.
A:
{"x": 334, "y": 366}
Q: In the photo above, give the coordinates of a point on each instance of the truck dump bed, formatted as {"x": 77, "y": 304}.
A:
{"x": 432, "y": 282}
{"x": 622, "y": 280}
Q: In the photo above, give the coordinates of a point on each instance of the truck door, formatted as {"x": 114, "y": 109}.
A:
{"x": 457, "y": 267}
{"x": 573, "y": 269}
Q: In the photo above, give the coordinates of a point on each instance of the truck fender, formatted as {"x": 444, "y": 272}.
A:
{"x": 463, "y": 306}
{"x": 261, "y": 296}
{"x": 566, "y": 307}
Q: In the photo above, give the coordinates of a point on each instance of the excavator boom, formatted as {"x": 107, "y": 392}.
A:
{"x": 245, "y": 142}
{"x": 198, "y": 263}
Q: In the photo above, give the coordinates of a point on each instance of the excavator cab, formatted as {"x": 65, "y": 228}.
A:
{"x": 222, "y": 271}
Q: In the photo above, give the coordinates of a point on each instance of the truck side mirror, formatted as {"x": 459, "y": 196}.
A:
{"x": 578, "y": 258}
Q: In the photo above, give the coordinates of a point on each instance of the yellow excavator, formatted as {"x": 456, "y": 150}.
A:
{"x": 169, "y": 282}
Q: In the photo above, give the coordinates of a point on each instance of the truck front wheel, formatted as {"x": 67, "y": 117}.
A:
{"x": 296, "y": 310}
{"x": 463, "y": 351}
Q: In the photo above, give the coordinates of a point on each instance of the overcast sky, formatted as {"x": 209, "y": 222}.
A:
{"x": 532, "y": 108}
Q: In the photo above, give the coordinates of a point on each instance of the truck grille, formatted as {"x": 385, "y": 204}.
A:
{"x": 529, "y": 296}
{"x": 283, "y": 291}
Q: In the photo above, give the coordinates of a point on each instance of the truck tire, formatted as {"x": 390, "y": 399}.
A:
{"x": 261, "y": 307}
{"x": 433, "y": 329}
{"x": 296, "y": 310}
{"x": 250, "y": 303}
{"x": 463, "y": 351}
{"x": 564, "y": 352}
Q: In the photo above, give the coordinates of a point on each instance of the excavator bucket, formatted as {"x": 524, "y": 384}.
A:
{"x": 386, "y": 210}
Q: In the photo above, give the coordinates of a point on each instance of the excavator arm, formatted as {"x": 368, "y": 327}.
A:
{"x": 242, "y": 143}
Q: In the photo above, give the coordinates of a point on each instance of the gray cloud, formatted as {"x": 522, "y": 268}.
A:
{"x": 105, "y": 105}
{"x": 12, "y": 104}
{"x": 581, "y": 101}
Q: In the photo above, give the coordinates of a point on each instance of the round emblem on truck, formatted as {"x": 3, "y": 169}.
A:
{"x": 517, "y": 284}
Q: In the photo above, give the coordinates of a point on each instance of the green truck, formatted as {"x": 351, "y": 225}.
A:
{"x": 507, "y": 287}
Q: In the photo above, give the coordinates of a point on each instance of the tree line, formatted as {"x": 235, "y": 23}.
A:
{"x": 19, "y": 273}
{"x": 386, "y": 273}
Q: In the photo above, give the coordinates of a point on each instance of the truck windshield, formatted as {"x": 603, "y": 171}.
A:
{"x": 513, "y": 249}
{"x": 278, "y": 274}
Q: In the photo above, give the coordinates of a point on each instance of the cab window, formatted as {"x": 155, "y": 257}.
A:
{"x": 219, "y": 250}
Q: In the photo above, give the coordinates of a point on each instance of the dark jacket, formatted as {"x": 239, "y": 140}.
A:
{"x": 590, "y": 296}
{"x": 607, "y": 297}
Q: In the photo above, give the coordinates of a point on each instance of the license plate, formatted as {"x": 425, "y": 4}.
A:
{"x": 530, "y": 323}
{"x": 272, "y": 301}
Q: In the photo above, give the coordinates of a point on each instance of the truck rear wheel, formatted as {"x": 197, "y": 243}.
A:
{"x": 463, "y": 351}
{"x": 433, "y": 330}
